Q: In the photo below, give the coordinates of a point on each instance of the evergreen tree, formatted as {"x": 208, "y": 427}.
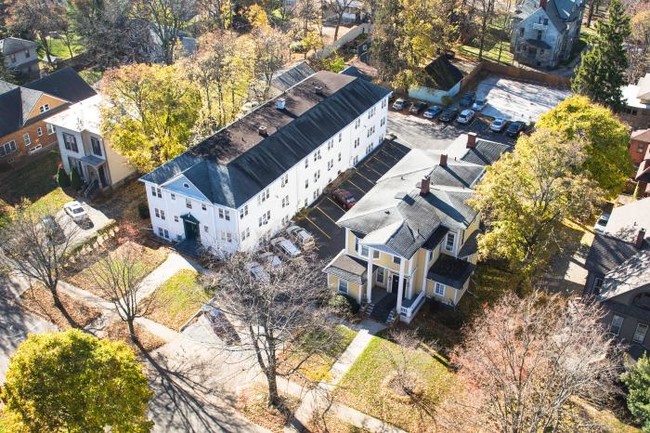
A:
{"x": 601, "y": 73}
{"x": 75, "y": 179}
{"x": 637, "y": 380}
{"x": 62, "y": 177}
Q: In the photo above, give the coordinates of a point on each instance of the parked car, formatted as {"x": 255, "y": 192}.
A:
{"x": 498, "y": 124}
{"x": 53, "y": 230}
{"x": 515, "y": 128}
{"x": 220, "y": 325}
{"x": 466, "y": 116}
{"x": 467, "y": 99}
{"x": 75, "y": 211}
{"x": 601, "y": 223}
{"x": 479, "y": 104}
{"x": 301, "y": 236}
{"x": 417, "y": 107}
{"x": 448, "y": 115}
{"x": 286, "y": 247}
{"x": 399, "y": 104}
{"x": 344, "y": 198}
{"x": 432, "y": 111}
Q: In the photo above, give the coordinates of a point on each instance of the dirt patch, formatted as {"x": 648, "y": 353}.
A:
{"x": 403, "y": 387}
{"x": 38, "y": 300}
{"x": 253, "y": 404}
{"x": 118, "y": 330}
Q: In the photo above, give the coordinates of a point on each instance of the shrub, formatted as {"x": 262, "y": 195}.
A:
{"x": 75, "y": 179}
{"x": 62, "y": 177}
{"x": 344, "y": 305}
{"x": 143, "y": 211}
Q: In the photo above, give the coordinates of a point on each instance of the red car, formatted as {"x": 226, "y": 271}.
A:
{"x": 344, "y": 198}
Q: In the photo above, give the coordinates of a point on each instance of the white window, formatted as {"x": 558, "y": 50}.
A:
{"x": 598, "y": 284}
{"x": 364, "y": 251}
{"x": 356, "y": 142}
{"x": 166, "y": 233}
{"x": 229, "y": 237}
{"x": 380, "y": 275}
{"x": 617, "y": 323}
{"x": 173, "y": 196}
{"x": 204, "y": 206}
{"x": 306, "y": 183}
{"x": 449, "y": 244}
{"x": 227, "y": 214}
{"x": 157, "y": 212}
{"x": 188, "y": 203}
{"x": 162, "y": 214}
{"x": 343, "y": 286}
{"x": 161, "y": 233}
{"x": 221, "y": 213}
{"x": 330, "y": 164}
{"x": 440, "y": 289}
{"x": 51, "y": 129}
{"x": 243, "y": 211}
{"x": 397, "y": 260}
{"x": 340, "y": 136}
{"x": 175, "y": 218}
{"x": 39, "y": 131}
{"x": 45, "y": 107}
{"x": 339, "y": 156}
{"x": 205, "y": 229}
{"x": 284, "y": 180}
{"x": 306, "y": 162}
{"x": 27, "y": 139}
{"x": 375, "y": 254}
{"x": 639, "y": 334}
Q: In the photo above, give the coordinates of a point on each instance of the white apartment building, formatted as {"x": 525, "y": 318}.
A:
{"x": 83, "y": 147}
{"x": 243, "y": 184}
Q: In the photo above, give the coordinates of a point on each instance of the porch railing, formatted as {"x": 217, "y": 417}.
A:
{"x": 410, "y": 311}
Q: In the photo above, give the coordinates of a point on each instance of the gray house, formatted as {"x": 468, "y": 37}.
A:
{"x": 20, "y": 56}
{"x": 544, "y": 31}
{"x": 619, "y": 274}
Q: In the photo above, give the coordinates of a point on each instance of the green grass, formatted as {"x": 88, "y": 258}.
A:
{"x": 60, "y": 50}
{"x": 492, "y": 52}
{"x": 178, "y": 299}
{"x": 365, "y": 388}
{"x": 316, "y": 353}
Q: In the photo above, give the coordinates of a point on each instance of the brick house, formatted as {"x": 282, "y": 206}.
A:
{"x": 639, "y": 142}
{"x": 24, "y": 109}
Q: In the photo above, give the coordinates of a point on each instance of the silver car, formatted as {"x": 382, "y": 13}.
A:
{"x": 286, "y": 247}
{"x": 301, "y": 236}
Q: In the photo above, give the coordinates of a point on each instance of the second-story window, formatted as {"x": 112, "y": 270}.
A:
{"x": 51, "y": 129}
{"x": 43, "y": 108}
{"x": 96, "y": 145}
{"x": 451, "y": 239}
{"x": 27, "y": 139}
{"x": 188, "y": 203}
{"x": 70, "y": 142}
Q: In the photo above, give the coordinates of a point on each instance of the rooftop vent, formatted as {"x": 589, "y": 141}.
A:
{"x": 263, "y": 131}
{"x": 319, "y": 90}
{"x": 280, "y": 103}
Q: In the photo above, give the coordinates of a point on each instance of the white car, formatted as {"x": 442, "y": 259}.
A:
{"x": 301, "y": 236}
{"x": 466, "y": 116}
{"x": 75, "y": 211}
{"x": 498, "y": 124}
{"x": 271, "y": 259}
{"x": 286, "y": 247}
{"x": 601, "y": 223}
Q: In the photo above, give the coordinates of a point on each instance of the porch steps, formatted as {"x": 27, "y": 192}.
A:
{"x": 392, "y": 317}
{"x": 367, "y": 309}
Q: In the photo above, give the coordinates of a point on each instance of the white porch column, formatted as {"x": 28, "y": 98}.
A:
{"x": 400, "y": 285}
{"x": 369, "y": 279}
{"x": 409, "y": 292}
{"x": 424, "y": 273}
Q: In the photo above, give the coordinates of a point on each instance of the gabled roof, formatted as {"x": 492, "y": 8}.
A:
{"x": 485, "y": 152}
{"x": 287, "y": 78}
{"x": 12, "y": 45}
{"x": 64, "y": 84}
{"x": 607, "y": 253}
{"x": 641, "y": 135}
{"x": 626, "y": 221}
{"x": 15, "y": 106}
{"x": 5, "y": 86}
{"x": 236, "y": 163}
{"x": 630, "y": 275}
{"x": 348, "y": 267}
{"x": 441, "y": 74}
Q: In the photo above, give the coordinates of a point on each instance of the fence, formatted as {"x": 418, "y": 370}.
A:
{"x": 349, "y": 36}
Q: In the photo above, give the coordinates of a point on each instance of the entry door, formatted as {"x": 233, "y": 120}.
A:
{"x": 102, "y": 176}
{"x": 395, "y": 285}
{"x": 191, "y": 230}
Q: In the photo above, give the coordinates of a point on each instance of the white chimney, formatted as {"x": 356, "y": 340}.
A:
{"x": 280, "y": 103}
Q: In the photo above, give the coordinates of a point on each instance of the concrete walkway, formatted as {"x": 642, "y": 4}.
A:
{"x": 162, "y": 273}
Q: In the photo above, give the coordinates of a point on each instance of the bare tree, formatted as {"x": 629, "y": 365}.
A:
{"x": 525, "y": 358}
{"x": 271, "y": 50}
{"x": 485, "y": 13}
{"x": 119, "y": 280}
{"x": 36, "y": 246}
{"x": 338, "y": 8}
{"x": 275, "y": 305}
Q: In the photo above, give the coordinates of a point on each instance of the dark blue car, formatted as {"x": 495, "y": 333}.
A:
{"x": 432, "y": 112}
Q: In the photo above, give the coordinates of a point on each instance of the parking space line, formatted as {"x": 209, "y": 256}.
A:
{"x": 381, "y": 162}
{"x": 371, "y": 181}
{"x": 335, "y": 204}
{"x": 317, "y": 227}
{"x": 325, "y": 213}
{"x": 378, "y": 172}
{"x": 357, "y": 187}
{"x": 388, "y": 155}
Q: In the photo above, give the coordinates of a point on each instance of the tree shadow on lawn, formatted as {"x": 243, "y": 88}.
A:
{"x": 180, "y": 402}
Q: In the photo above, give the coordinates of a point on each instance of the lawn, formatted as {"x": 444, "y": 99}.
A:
{"x": 60, "y": 50}
{"x": 369, "y": 386}
{"x": 178, "y": 299}
{"x": 147, "y": 260}
{"x": 312, "y": 356}
{"x": 496, "y": 39}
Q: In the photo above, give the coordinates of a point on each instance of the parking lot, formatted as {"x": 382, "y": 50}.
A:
{"x": 322, "y": 215}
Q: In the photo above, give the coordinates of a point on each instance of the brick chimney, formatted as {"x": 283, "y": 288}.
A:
{"x": 425, "y": 185}
{"x": 542, "y": 4}
{"x": 443, "y": 160}
{"x": 640, "y": 238}
{"x": 471, "y": 140}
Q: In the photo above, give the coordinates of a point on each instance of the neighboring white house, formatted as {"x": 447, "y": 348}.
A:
{"x": 20, "y": 56}
{"x": 441, "y": 79}
{"x": 544, "y": 31}
{"x": 243, "y": 184}
{"x": 82, "y": 146}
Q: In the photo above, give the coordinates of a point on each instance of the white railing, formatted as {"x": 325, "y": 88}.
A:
{"x": 410, "y": 311}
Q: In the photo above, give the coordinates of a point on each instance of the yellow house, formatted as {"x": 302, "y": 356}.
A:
{"x": 413, "y": 235}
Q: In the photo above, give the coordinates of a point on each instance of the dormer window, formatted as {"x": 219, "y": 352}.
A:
{"x": 45, "y": 107}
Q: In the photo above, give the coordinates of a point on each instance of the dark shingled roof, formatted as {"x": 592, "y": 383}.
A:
{"x": 456, "y": 173}
{"x": 236, "y": 163}
{"x": 356, "y": 72}
{"x": 348, "y": 267}
{"x": 606, "y": 253}
{"x": 436, "y": 237}
{"x": 538, "y": 43}
{"x": 5, "y": 86}
{"x": 442, "y": 74}
{"x": 485, "y": 152}
{"x": 283, "y": 80}
{"x": 450, "y": 271}
{"x": 64, "y": 84}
